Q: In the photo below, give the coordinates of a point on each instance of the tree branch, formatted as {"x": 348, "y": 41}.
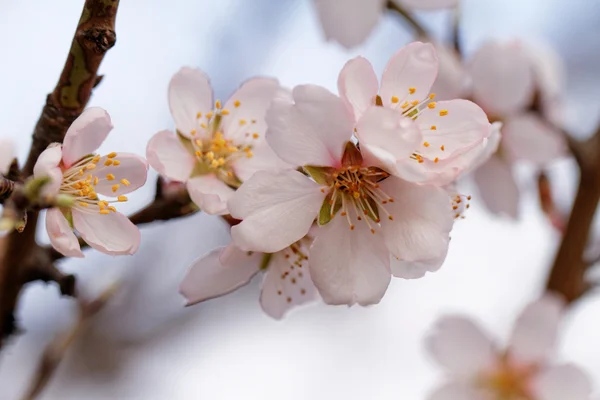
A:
{"x": 94, "y": 36}
{"x": 418, "y": 28}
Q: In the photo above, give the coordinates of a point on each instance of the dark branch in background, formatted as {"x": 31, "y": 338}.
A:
{"x": 94, "y": 36}
{"x": 6, "y": 188}
{"x": 416, "y": 26}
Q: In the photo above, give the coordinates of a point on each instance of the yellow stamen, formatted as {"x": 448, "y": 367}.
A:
{"x": 116, "y": 163}
{"x": 111, "y": 208}
{"x": 125, "y": 182}
{"x": 412, "y": 90}
{"x": 210, "y": 155}
{"x": 193, "y": 132}
{"x": 122, "y": 199}
{"x": 242, "y": 122}
{"x": 395, "y": 99}
{"x": 432, "y": 96}
{"x": 442, "y": 148}
{"x": 96, "y": 180}
{"x": 214, "y": 163}
{"x": 90, "y": 166}
{"x": 198, "y": 115}
{"x": 249, "y": 154}
{"x": 110, "y": 177}
{"x": 115, "y": 187}
{"x": 433, "y": 128}
{"x": 426, "y": 144}
{"x": 443, "y": 113}
{"x": 432, "y": 105}
{"x": 104, "y": 212}
{"x": 209, "y": 115}
{"x": 224, "y": 112}
{"x": 218, "y": 104}
{"x": 108, "y": 162}
{"x": 82, "y": 204}
{"x": 255, "y": 135}
{"x": 236, "y": 103}
{"x": 112, "y": 155}
{"x": 414, "y": 103}
{"x": 436, "y": 160}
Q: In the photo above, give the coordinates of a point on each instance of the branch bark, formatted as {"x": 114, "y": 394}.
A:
{"x": 94, "y": 36}
{"x": 419, "y": 30}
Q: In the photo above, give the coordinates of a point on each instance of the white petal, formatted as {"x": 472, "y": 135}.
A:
{"x": 49, "y": 159}
{"x": 497, "y": 187}
{"x": 189, "y": 93}
{"x": 561, "y": 383}
{"x": 348, "y": 22}
{"x": 460, "y": 346}
{"x": 287, "y": 284}
{"x": 358, "y": 85}
{"x": 86, "y": 134}
{"x": 61, "y": 235}
{"x": 414, "y": 66}
{"x": 313, "y": 130}
{"x": 112, "y": 234}
{"x": 349, "y": 266}
{"x": 534, "y": 335}
{"x": 210, "y": 194}
{"x": 277, "y": 209}
{"x": 421, "y": 220}
{"x": 416, "y": 269}
{"x": 132, "y": 169}
{"x": 503, "y": 80}
{"x": 452, "y": 79}
{"x": 458, "y": 391}
{"x": 166, "y": 154}
{"x": 214, "y": 275}
{"x": 7, "y": 154}
{"x": 527, "y": 137}
{"x": 264, "y": 158}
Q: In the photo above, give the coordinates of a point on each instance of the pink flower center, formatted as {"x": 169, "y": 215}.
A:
{"x": 509, "y": 381}
{"x": 80, "y": 181}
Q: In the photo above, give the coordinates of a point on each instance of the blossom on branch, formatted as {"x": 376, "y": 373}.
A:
{"x": 350, "y": 22}
{"x": 217, "y": 146}
{"x": 478, "y": 370}
{"x": 77, "y": 171}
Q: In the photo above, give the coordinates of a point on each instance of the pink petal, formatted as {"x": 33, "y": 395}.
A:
{"x": 7, "y": 154}
{"x": 497, "y": 187}
{"x": 287, "y": 284}
{"x": 421, "y": 220}
{"x": 416, "y": 269}
{"x": 212, "y": 275}
{"x": 413, "y": 66}
{"x": 460, "y": 346}
{"x": 313, "y": 130}
{"x": 86, "y": 134}
{"x": 488, "y": 148}
{"x": 166, "y": 154}
{"x": 112, "y": 234}
{"x": 503, "y": 80}
{"x": 452, "y": 79}
{"x": 132, "y": 168}
{"x": 48, "y": 160}
{"x": 563, "y": 382}
{"x": 534, "y": 336}
{"x": 348, "y": 22}
{"x": 428, "y": 4}
{"x": 358, "y": 85}
{"x": 52, "y": 188}
{"x": 253, "y": 98}
{"x": 210, "y": 194}
{"x": 386, "y": 137}
{"x": 61, "y": 235}
{"x": 349, "y": 266}
{"x": 277, "y": 209}
{"x": 264, "y": 158}
{"x": 458, "y": 391}
{"x": 189, "y": 93}
{"x": 527, "y": 137}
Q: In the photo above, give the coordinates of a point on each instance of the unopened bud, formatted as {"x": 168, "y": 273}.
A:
{"x": 34, "y": 186}
{"x": 63, "y": 201}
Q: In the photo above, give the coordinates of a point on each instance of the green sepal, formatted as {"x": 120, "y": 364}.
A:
{"x": 374, "y": 215}
{"x": 321, "y": 175}
{"x": 264, "y": 263}
{"x": 325, "y": 214}
{"x": 187, "y": 143}
{"x": 412, "y": 113}
{"x": 68, "y": 216}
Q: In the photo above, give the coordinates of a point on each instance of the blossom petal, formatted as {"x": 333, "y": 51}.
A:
{"x": 457, "y": 391}
{"x": 415, "y": 67}
{"x": 313, "y": 130}
{"x": 421, "y": 220}
{"x": 562, "y": 382}
{"x": 48, "y": 160}
{"x": 386, "y": 137}
{"x": 416, "y": 269}
{"x": 460, "y": 346}
{"x": 428, "y": 4}
{"x": 61, "y": 235}
{"x": 7, "y": 154}
{"x": 210, "y": 194}
{"x": 358, "y": 85}
{"x": 503, "y": 80}
{"x": 277, "y": 209}
{"x": 246, "y": 110}
{"x": 349, "y": 266}
{"x": 264, "y": 158}
{"x": 166, "y": 154}
{"x": 534, "y": 335}
{"x": 86, "y": 134}
{"x": 287, "y": 284}
{"x": 497, "y": 187}
{"x": 452, "y": 79}
{"x": 130, "y": 174}
{"x": 488, "y": 148}
{"x": 219, "y": 272}
{"x": 112, "y": 234}
{"x": 189, "y": 93}
{"x": 527, "y": 137}
{"x": 349, "y": 22}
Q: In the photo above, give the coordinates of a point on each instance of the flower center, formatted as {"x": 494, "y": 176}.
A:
{"x": 82, "y": 178}
{"x": 509, "y": 382}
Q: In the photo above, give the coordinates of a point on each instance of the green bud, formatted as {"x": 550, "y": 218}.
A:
{"x": 64, "y": 201}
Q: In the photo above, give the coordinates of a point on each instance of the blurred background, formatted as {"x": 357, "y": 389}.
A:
{"x": 145, "y": 344}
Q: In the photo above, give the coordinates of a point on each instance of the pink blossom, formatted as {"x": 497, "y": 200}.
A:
{"x": 286, "y": 282}
{"x": 367, "y": 216}
{"x": 454, "y": 132}
{"x": 350, "y": 22}
{"x": 76, "y": 170}
{"x": 478, "y": 370}
{"x": 216, "y": 146}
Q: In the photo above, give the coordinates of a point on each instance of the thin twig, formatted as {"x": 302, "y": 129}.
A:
{"x": 418, "y": 28}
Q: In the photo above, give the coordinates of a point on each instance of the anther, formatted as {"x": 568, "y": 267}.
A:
{"x": 209, "y": 115}
{"x": 82, "y": 204}
{"x": 426, "y": 144}
{"x": 193, "y": 132}
{"x": 111, "y": 208}
{"x": 351, "y": 227}
{"x": 443, "y": 113}
{"x": 432, "y": 96}
{"x": 255, "y": 135}
{"x": 115, "y": 187}
{"x": 108, "y": 163}
{"x": 104, "y": 212}
{"x": 122, "y": 199}
{"x": 218, "y": 104}
{"x": 116, "y": 163}
{"x": 404, "y": 105}
{"x": 372, "y": 231}
{"x": 112, "y": 155}
{"x": 433, "y": 128}
{"x": 395, "y": 99}
{"x": 90, "y": 166}
{"x": 125, "y": 182}
{"x": 391, "y": 218}
{"x": 412, "y": 90}
{"x": 431, "y": 105}
{"x": 236, "y": 103}
{"x": 224, "y": 112}
{"x": 436, "y": 160}
{"x": 243, "y": 122}
{"x": 198, "y": 115}
{"x": 414, "y": 103}
{"x": 442, "y": 148}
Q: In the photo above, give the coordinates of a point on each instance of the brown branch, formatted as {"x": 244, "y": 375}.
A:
{"x": 94, "y": 36}
{"x": 6, "y": 188}
{"x": 418, "y": 28}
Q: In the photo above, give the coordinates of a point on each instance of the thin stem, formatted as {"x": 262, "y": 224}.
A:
{"x": 419, "y": 29}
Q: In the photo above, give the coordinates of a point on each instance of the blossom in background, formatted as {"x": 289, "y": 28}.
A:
{"x": 349, "y": 22}
{"x": 75, "y": 170}
{"x": 217, "y": 146}
{"x": 372, "y": 223}
{"x": 286, "y": 282}
{"x": 478, "y": 370}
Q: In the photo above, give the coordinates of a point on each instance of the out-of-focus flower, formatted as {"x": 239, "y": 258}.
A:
{"x": 286, "y": 283}
{"x": 216, "y": 146}
{"x": 478, "y": 370}
{"x": 75, "y": 170}
{"x": 454, "y": 132}
{"x": 349, "y": 22}
{"x": 7, "y": 154}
